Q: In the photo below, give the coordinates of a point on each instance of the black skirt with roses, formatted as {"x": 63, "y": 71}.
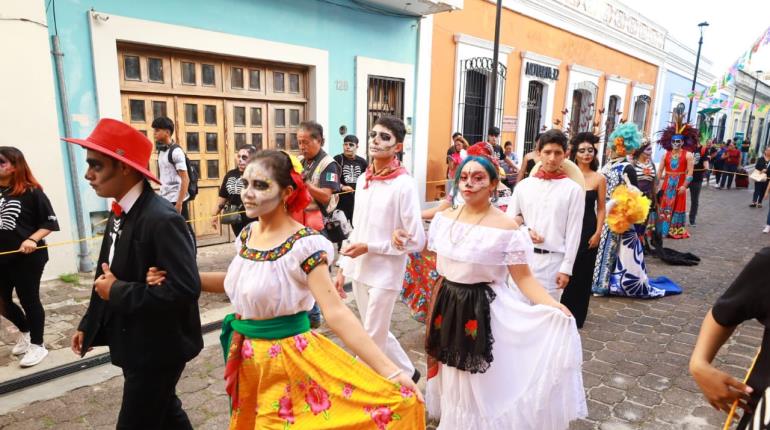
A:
{"x": 460, "y": 332}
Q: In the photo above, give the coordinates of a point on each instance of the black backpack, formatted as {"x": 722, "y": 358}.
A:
{"x": 192, "y": 171}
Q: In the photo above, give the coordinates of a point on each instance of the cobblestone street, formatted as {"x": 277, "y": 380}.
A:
{"x": 635, "y": 352}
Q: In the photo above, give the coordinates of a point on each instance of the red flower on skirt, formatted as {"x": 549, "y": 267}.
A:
{"x": 317, "y": 398}
{"x": 382, "y": 416}
{"x": 437, "y": 322}
{"x": 471, "y": 328}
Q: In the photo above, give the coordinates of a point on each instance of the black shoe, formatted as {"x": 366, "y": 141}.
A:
{"x": 347, "y": 287}
{"x": 692, "y": 224}
{"x": 416, "y": 376}
{"x": 753, "y": 205}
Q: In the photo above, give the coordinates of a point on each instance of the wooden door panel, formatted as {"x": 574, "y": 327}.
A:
{"x": 201, "y": 133}
{"x": 284, "y": 120}
{"x": 247, "y": 124}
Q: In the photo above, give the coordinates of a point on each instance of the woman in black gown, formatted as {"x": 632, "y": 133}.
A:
{"x": 578, "y": 291}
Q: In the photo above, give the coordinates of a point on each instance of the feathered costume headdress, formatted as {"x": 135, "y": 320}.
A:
{"x": 679, "y": 127}
{"x": 626, "y": 138}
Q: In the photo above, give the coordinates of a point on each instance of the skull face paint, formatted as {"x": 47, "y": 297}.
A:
{"x": 473, "y": 181}
{"x": 648, "y": 151}
{"x": 382, "y": 143}
{"x": 676, "y": 144}
{"x": 261, "y": 193}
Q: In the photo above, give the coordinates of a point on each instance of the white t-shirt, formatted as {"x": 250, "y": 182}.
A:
{"x": 170, "y": 181}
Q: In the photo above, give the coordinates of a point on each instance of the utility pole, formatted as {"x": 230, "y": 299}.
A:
{"x": 697, "y": 63}
{"x": 495, "y": 67}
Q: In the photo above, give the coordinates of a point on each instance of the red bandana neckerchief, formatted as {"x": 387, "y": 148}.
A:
{"x": 546, "y": 176}
{"x": 392, "y": 170}
{"x": 117, "y": 209}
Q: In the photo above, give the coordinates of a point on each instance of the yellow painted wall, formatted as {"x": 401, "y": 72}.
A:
{"x": 523, "y": 33}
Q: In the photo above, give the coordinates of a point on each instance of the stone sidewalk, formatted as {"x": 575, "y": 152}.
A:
{"x": 636, "y": 352}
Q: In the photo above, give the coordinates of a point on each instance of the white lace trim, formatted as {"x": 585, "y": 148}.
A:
{"x": 479, "y": 244}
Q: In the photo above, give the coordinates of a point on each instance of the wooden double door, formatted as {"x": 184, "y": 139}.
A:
{"x": 210, "y": 130}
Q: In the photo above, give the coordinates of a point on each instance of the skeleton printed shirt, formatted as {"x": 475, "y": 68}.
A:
{"x": 22, "y": 215}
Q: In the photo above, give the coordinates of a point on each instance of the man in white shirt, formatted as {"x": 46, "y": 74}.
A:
{"x": 386, "y": 201}
{"x": 551, "y": 206}
{"x": 174, "y": 178}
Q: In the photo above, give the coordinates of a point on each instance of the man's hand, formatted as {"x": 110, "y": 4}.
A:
{"x": 354, "y": 250}
{"x": 214, "y": 221}
{"x": 28, "y": 246}
{"x": 155, "y": 277}
{"x": 77, "y": 343}
{"x": 347, "y": 189}
{"x": 103, "y": 283}
{"x": 339, "y": 282}
{"x": 562, "y": 280}
{"x": 399, "y": 238}
{"x": 719, "y": 388}
{"x": 536, "y": 238}
{"x": 681, "y": 189}
{"x": 178, "y": 207}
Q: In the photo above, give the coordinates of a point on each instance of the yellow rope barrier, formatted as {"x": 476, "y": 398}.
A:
{"x": 441, "y": 181}
{"x": 735, "y": 403}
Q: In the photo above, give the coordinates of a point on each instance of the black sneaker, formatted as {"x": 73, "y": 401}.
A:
{"x": 416, "y": 376}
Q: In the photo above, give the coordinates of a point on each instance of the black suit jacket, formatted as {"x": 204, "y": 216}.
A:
{"x": 148, "y": 326}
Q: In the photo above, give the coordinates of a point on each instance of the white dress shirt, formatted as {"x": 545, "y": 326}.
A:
{"x": 554, "y": 209}
{"x": 380, "y": 209}
{"x": 126, "y": 203}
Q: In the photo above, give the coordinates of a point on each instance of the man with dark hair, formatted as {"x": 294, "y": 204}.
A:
{"x": 493, "y": 136}
{"x": 387, "y": 203}
{"x": 551, "y": 206}
{"x": 322, "y": 177}
{"x": 174, "y": 178}
{"x": 152, "y": 332}
{"x": 352, "y": 166}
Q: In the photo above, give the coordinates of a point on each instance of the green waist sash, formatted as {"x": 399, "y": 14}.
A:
{"x": 274, "y": 328}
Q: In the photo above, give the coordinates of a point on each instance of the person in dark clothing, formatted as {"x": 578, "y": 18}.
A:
{"x": 26, "y": 217}
{"x": 352, "y": 167}
{"x": 699, "y": 168}
{"x": 578, "y": 292}
{"x": 154, "y": 331}
{"x": 493, "y": 138}
{"x": 760, "y": 186}
{"x": 229, "y": 199}
{"x": 719, "y": 161}
{"x": 746, "y": 299}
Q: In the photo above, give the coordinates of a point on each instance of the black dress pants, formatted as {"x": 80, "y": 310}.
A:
{"x": 150, "y": 401}
{"x": 22, "y": 272}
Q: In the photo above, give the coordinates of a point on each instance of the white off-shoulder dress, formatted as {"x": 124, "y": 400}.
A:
{"x": 534, "y": 380}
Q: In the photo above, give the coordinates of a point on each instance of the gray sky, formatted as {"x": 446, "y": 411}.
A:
{"x": 733, "y": 26}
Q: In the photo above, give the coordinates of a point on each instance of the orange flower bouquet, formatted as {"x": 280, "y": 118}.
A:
{"x": 628, "y": 206}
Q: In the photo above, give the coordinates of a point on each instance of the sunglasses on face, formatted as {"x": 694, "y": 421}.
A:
{"x": 385, "y": 137}
{"x": 585, "y": 150}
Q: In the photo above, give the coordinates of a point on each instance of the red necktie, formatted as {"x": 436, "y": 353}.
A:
{"x": 116, "y": 209}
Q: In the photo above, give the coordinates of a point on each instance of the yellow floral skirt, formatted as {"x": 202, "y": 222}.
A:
{"x": 308, "y": 382}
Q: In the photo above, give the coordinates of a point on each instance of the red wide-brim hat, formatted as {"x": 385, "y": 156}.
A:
{"x": 121, "y": 142}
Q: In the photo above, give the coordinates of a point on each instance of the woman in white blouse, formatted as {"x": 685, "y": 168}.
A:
{"x": 278, "y": 372}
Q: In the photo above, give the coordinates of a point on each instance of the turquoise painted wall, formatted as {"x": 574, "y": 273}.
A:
{"x": 341, "y": 27}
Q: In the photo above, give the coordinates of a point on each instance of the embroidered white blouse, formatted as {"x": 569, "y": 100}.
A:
{"x": 263, "y": 284}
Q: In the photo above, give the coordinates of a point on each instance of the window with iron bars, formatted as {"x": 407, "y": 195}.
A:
{"x": 385, "y": 96}
{"x": 476, "y": 98}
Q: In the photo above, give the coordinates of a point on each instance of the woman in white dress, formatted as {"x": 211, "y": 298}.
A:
{"x": 509, "y": 355}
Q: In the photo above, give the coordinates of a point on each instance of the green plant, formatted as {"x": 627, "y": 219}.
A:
{"x": 70, "y": 278}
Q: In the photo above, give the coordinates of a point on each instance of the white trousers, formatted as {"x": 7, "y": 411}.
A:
{"x": 375, "y": 305}
{"x": 545, "y": 267}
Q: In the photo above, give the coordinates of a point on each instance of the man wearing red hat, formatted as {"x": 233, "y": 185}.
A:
{"x": 152, "y": 332}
